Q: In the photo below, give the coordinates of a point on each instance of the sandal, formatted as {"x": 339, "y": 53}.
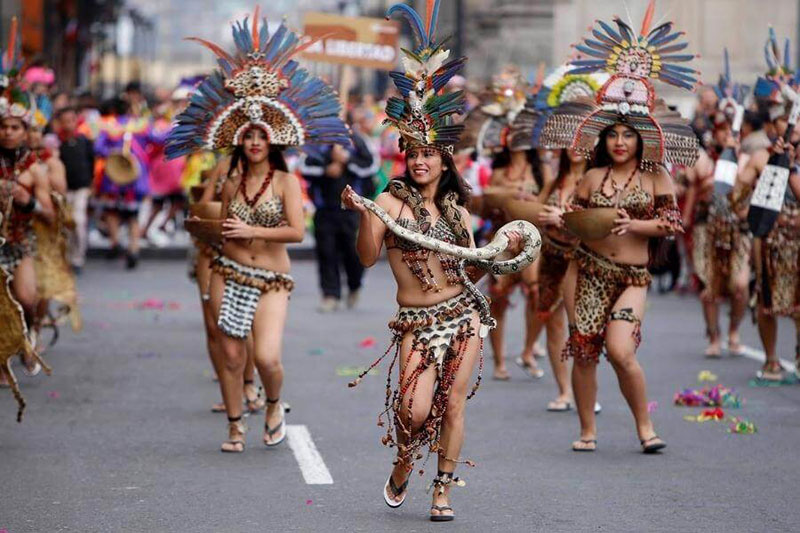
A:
{"x": 771, "y": 371}
{"x": 442, "y": 480}
{"x": 590, "y": 445}
{"x": 652, "y": 448}
{"x": 532, "y": 370}
{"x": 713, "y": 353}
{"x": 501, "y": 376}
{"x": 735, "y": 349}
{"x": 236, "y": 436}
{"x": 253, "y": 405}
{"x": 218, "y": 407}
{"x": 396, "y": 491}
{"x": 561, "y": 406}
{"x": 269, "y": 432}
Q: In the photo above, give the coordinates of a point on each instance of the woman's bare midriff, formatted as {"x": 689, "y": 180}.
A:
{"x": 627, "y": 249}
{"x": 259, "y": 254}
{"x": 409, "y": 289}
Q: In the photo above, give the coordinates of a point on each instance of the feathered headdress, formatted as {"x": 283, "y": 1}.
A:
{"x": 506, "y": 104}
{"x": 423, "y": 116}
{"x": 558, "y": 89}
{"x": 259, "y": 84}
{"x": 767, "y": 90}
{"x": 628, "y": 96}
{"x": 731, "y": 95}
{"x": 14, "y": 101}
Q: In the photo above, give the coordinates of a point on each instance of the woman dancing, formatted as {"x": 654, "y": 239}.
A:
{"x": 558, "y": 245}
{"x": 634, "y": 135}
{"x": 257, "y": 103}
{"x": 439, "y": 329}
{"x": 201, "y": 273}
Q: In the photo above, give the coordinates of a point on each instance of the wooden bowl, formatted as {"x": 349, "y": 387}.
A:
{"x": 204, "y": 230}
{"x": 523, "y": 210}
{"x": 496, "y": 197}
{"x": 591, "y": 224}
{"x": 206, "y": 210}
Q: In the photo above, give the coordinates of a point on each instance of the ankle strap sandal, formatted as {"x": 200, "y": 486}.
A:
{"x": 235, "y": 444}
{"x": 442, "y": 480}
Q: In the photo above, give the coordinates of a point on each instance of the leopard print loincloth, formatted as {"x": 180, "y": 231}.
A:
{"x": 600, "y": 283}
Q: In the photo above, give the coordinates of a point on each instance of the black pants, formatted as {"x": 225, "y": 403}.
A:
{"x": 335, "y": 231}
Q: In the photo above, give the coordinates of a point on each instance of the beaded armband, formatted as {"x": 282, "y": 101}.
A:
{"x": 667, "y": 212}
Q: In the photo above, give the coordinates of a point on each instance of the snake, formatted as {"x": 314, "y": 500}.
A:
{"x": 484, "y": 258}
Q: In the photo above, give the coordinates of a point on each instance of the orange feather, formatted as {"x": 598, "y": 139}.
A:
{"x": 256, "y": 44}
{"x": 648, "y": 18}
{"x": 429, "y": 16}
{"x": 539, "y": 77}
{"x": 12, "y": 41}
{"x": 214, "y": 48}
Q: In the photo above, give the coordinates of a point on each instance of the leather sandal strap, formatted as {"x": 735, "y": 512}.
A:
{"x": 397, "y": 491}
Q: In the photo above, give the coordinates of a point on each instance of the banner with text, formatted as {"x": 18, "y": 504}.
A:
{"x": 357, "y": 41}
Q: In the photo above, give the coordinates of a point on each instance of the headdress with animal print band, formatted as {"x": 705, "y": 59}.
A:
{"x": 259, "y": 84}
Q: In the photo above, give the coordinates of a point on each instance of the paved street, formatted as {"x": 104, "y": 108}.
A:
{"x": 120, "y": 437}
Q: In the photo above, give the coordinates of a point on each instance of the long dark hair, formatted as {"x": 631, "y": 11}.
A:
{"x": 657, "y": 247}
{"x": 503, "y": 159}
{"x": 274, "y": 157}
{"x": 602, "y": 158}
{"x": 451, "y": 181}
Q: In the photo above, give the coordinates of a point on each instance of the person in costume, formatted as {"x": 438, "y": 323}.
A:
{"x": 777, "y": 255}
{"x": 516, "y": 173}
{"x": 204, "y": 256}
{"x": 435, "y": 364}
{"x": 22, "y": 183}
{"x": 123, "y": 143}
{"x": 558, "y": 244}
{"x": 258, "y": 102}
{"x": 55, "y": 281}
{"x": 630, "y": 136}
{"x": 721, "y": 242}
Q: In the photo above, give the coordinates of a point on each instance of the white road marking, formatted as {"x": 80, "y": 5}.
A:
{"x": 305, "y": 452}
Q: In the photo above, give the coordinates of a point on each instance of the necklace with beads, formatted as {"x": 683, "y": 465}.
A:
{"x": 251, "y": 202}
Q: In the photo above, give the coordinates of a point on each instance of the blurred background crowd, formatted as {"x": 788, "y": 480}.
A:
{"x": 110, "y": 76}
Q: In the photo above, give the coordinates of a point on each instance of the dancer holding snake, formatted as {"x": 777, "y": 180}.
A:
{"x": 630, "y": 136}
{"x": 257, "y": 103}
{"x": 439, "y": 329}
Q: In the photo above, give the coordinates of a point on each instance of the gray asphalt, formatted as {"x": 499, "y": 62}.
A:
{"x": 120, "y": 437}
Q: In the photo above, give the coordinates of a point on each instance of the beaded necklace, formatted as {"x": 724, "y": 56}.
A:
{"x": 251, "y": 202}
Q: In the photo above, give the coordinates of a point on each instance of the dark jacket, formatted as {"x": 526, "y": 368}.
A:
{"x": 77, "y": 154}
{"x": 326, "y": 191}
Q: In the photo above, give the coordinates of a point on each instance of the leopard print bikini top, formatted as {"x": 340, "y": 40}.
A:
{"x": 637, "y": 202}
{"x": 416, "y": 258}
{"x": 268, "y": 214}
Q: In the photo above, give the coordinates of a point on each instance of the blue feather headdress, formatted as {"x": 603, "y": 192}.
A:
{"x": 726, "y": 89}
{"x": 422, "y": 114}
{"x": 779, "y": 71}
{"x": 259, "y": 84}
{"x": 15, "y": 102}
{"x": 628, "y": 97}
